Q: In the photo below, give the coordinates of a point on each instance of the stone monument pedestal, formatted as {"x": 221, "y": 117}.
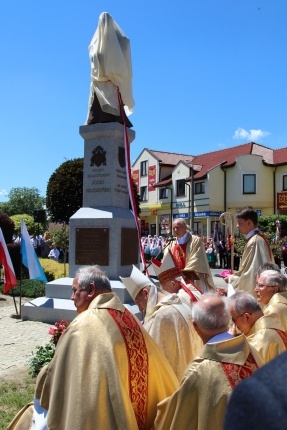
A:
{"x": 103, "y": 231}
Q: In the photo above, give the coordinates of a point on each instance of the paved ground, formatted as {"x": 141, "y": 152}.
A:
{"x": 19, "y": 338}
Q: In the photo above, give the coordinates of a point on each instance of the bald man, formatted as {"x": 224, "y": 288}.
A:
{"x": 201, "y": 400}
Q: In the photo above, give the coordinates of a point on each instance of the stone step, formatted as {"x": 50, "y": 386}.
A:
{"x": 62, "y": 289}
{"x": 57, "y": 303}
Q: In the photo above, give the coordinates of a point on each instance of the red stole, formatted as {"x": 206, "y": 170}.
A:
{"x": 179, "y": 254}
{"x": 138, "y": 363}
{"x": 187, "y": 290}
{"x": 236, "y": 373}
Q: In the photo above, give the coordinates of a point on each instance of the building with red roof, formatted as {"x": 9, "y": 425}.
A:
{"x": 171, "y": 184}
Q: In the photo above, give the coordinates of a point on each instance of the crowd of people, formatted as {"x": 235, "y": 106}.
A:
{"x": 196, "y": 360}
{"x": 218, "y": 256}
{"x": 44, "y": 247}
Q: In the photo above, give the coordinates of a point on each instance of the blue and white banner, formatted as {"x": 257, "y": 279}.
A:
{"x": 29, "y": 256}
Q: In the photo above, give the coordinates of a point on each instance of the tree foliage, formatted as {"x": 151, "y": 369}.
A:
{"x": 266, "y": 224}
{"x": 32, "y": 226}
{"x": 60, "y": 237}
{"x": 23, "y": 201}
{"x": 7, "y": 227}
{"x": 65, "y": 190}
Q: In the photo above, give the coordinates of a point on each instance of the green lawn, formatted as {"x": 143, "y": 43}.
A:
{"x": 13, "y": 396}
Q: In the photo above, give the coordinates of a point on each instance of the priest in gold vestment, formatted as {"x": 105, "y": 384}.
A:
{"x": 256, "y": 251}
{"x": 272, "y": 295}
{"x": 201, "y": 400}
{"x": 107, "y": 372}
{"x": 167, "y": 320}
{"x": 189, "y": 253}
{"x": 264, "y": 333}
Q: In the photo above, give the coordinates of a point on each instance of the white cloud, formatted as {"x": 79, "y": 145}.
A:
{"x": 251, "y": 135}
{"x": 3, "y": 193}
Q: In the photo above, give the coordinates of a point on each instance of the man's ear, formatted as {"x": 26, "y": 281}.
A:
{"x": 146, "y": 292}
{"x": 91, "y": 289}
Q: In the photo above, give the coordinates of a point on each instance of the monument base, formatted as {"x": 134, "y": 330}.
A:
{"x": 57, "y": 303}
{"x": 105, "y": 236}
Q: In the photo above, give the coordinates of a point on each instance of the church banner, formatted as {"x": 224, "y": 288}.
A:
{"x": 136, "y": 178}
{"x": 151, "y": 177}
{"x": 282, "y": 201}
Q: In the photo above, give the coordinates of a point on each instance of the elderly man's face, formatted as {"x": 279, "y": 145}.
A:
{"x": 179, "y": 229}
{"x": 242, "y": 321}
{"x": 263, "y": 291}
{"x": 141, "y": 299}
{"x": 80, "y": 296}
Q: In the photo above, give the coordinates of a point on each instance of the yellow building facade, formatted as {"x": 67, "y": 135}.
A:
{"x": 199, "y": 188}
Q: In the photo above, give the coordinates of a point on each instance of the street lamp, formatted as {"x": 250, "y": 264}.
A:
{"x": 191, "y": 199}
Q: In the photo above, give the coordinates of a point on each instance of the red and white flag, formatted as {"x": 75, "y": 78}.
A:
{"x": 10, "y": 280}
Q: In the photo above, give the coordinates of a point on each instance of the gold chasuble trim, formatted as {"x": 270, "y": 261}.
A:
{"x": 236, "y": 373}
{"x": 138, "y": 363}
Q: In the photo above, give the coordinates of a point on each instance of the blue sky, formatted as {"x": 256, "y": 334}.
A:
{"x": 207, "y": 75}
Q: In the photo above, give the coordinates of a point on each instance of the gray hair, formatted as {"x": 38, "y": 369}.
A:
{"x": 211, "y": 316}
{"x": 267, "y": 266}
{"x": 181, "y": 220}
{"x": 275, "y": 279}
{"x": 93, "y": 275}
{"x": 244, "y": 302}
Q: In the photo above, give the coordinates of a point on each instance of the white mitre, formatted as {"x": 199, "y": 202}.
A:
{"x": 167, "y": 270}
{"x": 136, "y": 282}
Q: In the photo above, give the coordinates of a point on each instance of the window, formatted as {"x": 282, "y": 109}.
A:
{"x": 144, "y": 168}
{"x": 199, "y": 188}
{"x": 163, "y": 193}
{"x": 284, "y": 188}
{"x": 249, "y": 183}
{"x": 180, "y": 187}
{"x": 143, "y": 193}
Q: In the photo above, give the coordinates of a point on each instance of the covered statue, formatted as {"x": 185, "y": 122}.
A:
{"x": 111, "y": 96}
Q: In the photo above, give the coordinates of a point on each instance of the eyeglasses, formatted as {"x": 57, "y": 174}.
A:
{"x": 233, "y": 319}
{"x": 264, "y": 285}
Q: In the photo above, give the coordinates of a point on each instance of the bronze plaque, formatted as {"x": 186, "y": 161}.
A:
{"x": 129, "y": 246}
{"x": 92, "y": 246}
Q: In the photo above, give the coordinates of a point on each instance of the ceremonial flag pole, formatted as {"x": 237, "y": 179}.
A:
{"x": 10, "y": 280}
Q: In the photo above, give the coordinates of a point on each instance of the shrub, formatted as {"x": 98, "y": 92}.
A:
{"x": 31, "y": 288}
{"x": 40, "y": 357}
{"x": 44, "y": 354}
{"x": 53, "y": 270}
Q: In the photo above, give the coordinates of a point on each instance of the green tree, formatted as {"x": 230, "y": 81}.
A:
{"x": 32, "y": 226}
{"x": 23, "y": 201}
{"x": 65, "y": 190}
{"x": 60, "y": 237}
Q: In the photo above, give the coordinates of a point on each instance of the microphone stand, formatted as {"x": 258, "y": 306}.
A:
{"x": 169, "y": 240}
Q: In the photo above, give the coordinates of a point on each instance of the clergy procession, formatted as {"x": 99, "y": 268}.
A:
{"x": 178, "y": 368}
{"x": 197, "y": 346}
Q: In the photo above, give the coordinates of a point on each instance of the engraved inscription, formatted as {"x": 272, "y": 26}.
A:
{"x": 92, "y": 246}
